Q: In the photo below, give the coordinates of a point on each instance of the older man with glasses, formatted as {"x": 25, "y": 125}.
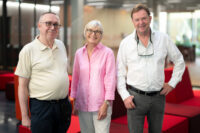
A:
{"x": 141, "y": 62}
{"x": 42, "y": 71}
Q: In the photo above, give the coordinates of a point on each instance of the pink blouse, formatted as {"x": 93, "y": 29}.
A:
{"x": 94, "y": 80}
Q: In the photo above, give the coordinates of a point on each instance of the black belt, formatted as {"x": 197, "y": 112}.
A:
{"x": 152, "y": 93}
{"x": 51, "y": 101}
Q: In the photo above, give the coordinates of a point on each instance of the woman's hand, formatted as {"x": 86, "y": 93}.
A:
{"x": 103, "y": 111}
{"x": 74, "y": 110}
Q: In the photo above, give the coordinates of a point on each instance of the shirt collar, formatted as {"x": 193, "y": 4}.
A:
{"x": 137, "y": 38}
{"x": 42, "y": 46}
{"x": 98, "y": 46}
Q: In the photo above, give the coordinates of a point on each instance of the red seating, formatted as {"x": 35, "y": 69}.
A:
{"x": 183, "y": 90}
{"x": 190, "y": 112}
{"x": 183, "y": 93}
{"x": 4, "y": 78}
{"x": 171, "y": 124}
{"x": 187, "y": 104}
{"x": 74, "y": 126}
{"x": 23, "y": 129}
{"x": 196, "y": 93}
{"x": 10, "y": 94}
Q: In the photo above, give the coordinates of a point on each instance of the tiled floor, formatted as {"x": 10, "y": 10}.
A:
{"x": 8, "y": 121}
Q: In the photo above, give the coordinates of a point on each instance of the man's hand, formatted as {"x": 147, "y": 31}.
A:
{"x": 102, "y": 111}
{"x": 166, "y": 89}
{"x": 128, "y": 102}
{"x": 26, "y": 122}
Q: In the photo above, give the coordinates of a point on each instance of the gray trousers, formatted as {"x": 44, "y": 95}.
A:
{"x": 150, "y": 106}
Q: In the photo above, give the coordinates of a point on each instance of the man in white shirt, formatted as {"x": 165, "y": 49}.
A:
{"x": 141, "y": 61}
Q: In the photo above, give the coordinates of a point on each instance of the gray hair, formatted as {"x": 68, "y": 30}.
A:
{"x": 92, "y": 24}
{"x": 41, "y": 17}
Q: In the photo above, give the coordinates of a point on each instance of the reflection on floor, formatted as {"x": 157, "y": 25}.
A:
{"x": 8, "y": 122}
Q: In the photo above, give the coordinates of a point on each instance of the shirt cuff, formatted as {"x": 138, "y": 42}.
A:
{"x": 124, "y": 94}
{"x": 172, "y": 83}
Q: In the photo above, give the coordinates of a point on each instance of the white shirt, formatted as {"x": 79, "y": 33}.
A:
{"x": 147, "y": 72}
{"x": 46, "y": 69}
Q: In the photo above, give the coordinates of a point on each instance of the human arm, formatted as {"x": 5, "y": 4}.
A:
{"x": 109, "y": 83}
{"x": 75, "y": 79}
{"x": 121, "y": 78}
{"x": 176, "y": 57}
{"x": 23, "y": 94}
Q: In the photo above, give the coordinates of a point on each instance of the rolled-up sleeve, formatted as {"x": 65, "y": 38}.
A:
{"x": 75, "y": 77}
{"x": 110, "y": 77}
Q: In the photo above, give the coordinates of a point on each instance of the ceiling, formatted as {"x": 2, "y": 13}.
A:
{"x": 163, "y": 5}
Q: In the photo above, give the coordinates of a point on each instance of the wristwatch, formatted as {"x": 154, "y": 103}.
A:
{"x": 107, "y": 102}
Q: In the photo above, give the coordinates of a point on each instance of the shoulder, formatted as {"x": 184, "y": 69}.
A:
{"x": 28, "y": 48}
{"x": 105, "y": 49}
{"x": 80, "y": 51}
{"x": 59, "y": 43}
{"x": 127, "y": 41}
{"x": 160, "y": 34}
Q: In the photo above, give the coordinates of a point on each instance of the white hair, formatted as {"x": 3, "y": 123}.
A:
{"x": 92, "y": 24}
{"x": 42, "y": 16}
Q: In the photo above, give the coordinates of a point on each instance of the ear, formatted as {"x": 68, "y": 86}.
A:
{"x": 150, "y": 18}
{"x": 39, "y": 25}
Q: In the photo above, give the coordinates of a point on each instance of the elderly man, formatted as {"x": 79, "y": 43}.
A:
{"x": 42, "y": 71}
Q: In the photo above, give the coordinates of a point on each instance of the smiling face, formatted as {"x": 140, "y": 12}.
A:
{"x": 141, "y": 21}
{"x": 93, "y": 35}
{"x": 49, "y": 26}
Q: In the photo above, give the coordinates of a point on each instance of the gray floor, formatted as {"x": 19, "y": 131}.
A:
{"x": 8, "y": 121}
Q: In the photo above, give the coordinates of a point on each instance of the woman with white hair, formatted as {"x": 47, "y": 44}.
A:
{"x": 93, "y": 81}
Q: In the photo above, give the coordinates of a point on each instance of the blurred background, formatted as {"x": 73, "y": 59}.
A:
{"x": 180, "y": 19}
{"x": 18, "y": 23}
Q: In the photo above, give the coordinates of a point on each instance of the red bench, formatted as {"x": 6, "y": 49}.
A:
{"x": 182, "y": 101}
{"x": 171, "y": 124}
{"x": 5, "y": 78}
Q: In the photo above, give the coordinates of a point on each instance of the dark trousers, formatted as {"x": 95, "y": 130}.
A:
{"x": 50, "y": 116}
{"x": 150, "y": 106}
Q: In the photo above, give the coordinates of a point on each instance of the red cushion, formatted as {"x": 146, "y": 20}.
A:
{"x": 74, "y": 125}
{"x": 118, "y": 128}
{"x": 23, "y": 129}
{"x": 120, "y": 120}
{"x": 182, "y": 110}
{"x": 4, "y": 78}
{"x": 183, "y": 90}
{"x": 196, "y": 92}
{"x": 174, "y": 124}
{"x": 195, "y": 101}
{"x": 171, "y": 124}
{"x": 191, "y": 112}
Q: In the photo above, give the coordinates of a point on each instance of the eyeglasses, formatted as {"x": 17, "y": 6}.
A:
{"x": 142, "y": 51}
{"x": 96, "y": 32}
{"x": 50, "y": 24}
